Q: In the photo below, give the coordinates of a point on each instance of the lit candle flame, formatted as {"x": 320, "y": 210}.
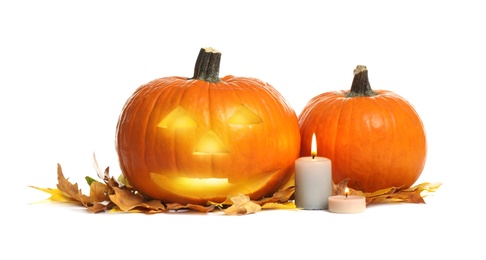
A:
{"x": 346, "y": 192}
{"x": 313, "y": 146}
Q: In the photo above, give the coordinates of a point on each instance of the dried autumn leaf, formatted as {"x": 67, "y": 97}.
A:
{"x": 98, "y": 207}
{"x": 414, "y": 194}
{"x": 98, "y": 192}
{"x": 125, "y": 199}
{"x": 338, "y": 189}
{"x": 130, "y": 201}
{"x": 281, "y": 196}
{"x": 228, "y": 202}
{"x": 425, "y": 187}
{"x": 69, "y": 188}
{"x": 280, "y": 205}
{"x": 177, "y": 206}
{"x": 242, "y": 205}
{"x": 282, "y": 199}
{"x": 400, "y": 196}
{"x": 56, "y": 195}
{"x": 68, "y": 192}
{"x": 102, "y": 175}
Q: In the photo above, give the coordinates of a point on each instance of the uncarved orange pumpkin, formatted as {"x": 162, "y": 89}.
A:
{"x": 374, "y": 137}
{"x": 194, "y": 140}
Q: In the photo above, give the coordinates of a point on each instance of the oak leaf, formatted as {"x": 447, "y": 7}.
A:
{"x": 70, "y": 189}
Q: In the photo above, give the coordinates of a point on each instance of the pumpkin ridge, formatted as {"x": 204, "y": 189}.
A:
{"x": 135, "y": 104}
{"x": 412, "y": 116}
{"x": 339, "y": 126}
{"x": 185, "y": 88}
{"x": 389, "y": 123}
{"x": 209, "y": 86}
{"x": 157, "y": 88}
{"x": 160, "y": 89}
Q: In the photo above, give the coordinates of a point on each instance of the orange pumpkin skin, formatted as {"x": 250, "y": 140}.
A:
{"x": 162, "y": 126}
{"x": 377, "y": 141}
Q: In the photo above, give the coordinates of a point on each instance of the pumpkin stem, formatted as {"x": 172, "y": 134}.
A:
{"x": 361, "y": 84}
{"x": 207, "y": 65}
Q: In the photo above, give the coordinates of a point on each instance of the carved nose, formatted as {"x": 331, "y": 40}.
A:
{"x": 211, "y": 144}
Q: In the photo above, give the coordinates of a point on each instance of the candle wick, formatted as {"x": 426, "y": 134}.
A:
{"x": 346, "y": 195}
{"x": 313, "y": 156}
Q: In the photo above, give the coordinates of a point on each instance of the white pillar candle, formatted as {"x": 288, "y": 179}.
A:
{"x": 347, "y": 203}
{"x": 313, "y": 181}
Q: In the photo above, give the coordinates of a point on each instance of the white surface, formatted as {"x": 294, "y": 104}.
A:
{"x": 67, "y": 69}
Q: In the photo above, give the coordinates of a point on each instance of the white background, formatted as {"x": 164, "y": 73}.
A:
{"x": 66, "y": 69}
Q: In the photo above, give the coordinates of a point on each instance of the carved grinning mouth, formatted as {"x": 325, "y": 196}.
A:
{"x": 209, "y": 187}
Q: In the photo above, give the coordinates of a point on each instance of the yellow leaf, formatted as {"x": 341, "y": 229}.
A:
{"x": 56, "y": 195}
{"x": 273, "y": 205}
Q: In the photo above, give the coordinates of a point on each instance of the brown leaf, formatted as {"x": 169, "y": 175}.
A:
{"x": 411, "y": 197}
{"x": 382, "y": 192}
{"x": 152, "y": 206}
{"x": 177, "y": 206}
{"x": 338, "y": 189}
{"x": 414, "y": 194}
{"x": 128, "y": 200}
{"x": 70, "y": 189}
{"x": 97, "y": 207}
{"x": 98, "y": 192}
{"x": 125, "y": 199}
{"x": 281, "y": 196}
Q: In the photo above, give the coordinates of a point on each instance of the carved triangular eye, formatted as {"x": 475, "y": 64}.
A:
{"x": 211, "y": 144}
{"x": 177, "y": 118}
{"x": 244, "y": 116}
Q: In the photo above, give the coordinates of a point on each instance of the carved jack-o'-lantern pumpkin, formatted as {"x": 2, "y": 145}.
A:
{"x": 194, "y": 140}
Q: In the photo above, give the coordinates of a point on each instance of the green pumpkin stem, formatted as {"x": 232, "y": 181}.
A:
{"x": 361, "y": 84}
{"x": 207, "y": 65}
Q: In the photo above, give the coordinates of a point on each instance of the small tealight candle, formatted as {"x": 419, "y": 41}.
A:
{"x": 313, "y": 180}
{"x": 347, "y": 203}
